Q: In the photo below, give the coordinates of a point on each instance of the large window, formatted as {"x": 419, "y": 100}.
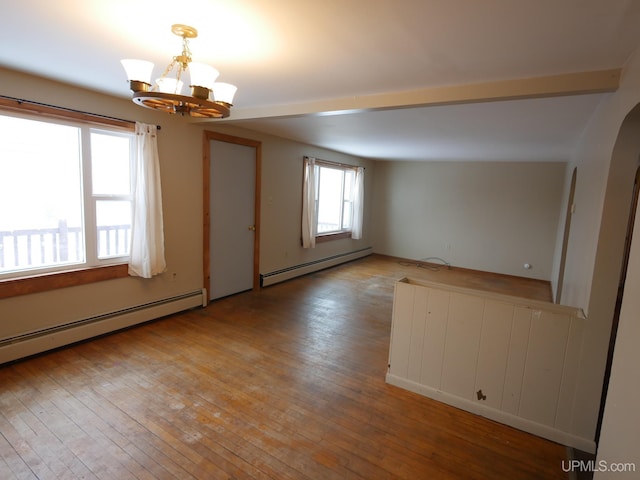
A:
{"x": 65, "y": 195}
{"x": 334, "y": 198}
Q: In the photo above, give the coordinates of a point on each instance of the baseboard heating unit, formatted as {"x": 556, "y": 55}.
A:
{"x": 39, "y": 341}
{"x": 278, "y": 276}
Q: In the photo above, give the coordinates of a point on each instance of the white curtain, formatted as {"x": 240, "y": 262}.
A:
{"x": 309, "y": 203}
{"x": 358, "y": 204}
{"x": 147, "y": 231}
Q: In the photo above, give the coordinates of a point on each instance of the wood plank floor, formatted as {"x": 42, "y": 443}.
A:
{"x": 284, "y": 383}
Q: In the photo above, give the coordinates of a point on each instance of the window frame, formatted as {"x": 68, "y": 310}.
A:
{"x": 70, "y": 275}
{"x": 343, "y": 232}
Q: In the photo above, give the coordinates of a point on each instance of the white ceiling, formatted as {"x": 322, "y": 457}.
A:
{"x": 298, "y": 58}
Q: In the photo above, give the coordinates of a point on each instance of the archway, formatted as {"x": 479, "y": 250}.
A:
{"x": 615, "y": 234}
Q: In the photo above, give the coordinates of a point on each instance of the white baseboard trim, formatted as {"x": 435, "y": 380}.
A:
{"x": 278, "y": 276}
{"x": 32, "y": 343}
{"x": 544, "y": 431}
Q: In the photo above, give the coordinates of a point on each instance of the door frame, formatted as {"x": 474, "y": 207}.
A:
{"x": 206, "y": 191}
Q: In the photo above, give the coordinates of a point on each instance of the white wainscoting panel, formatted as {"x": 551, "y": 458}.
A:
{"x": 508, "y": 358}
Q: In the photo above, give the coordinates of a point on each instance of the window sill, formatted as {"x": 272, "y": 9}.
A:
{"x": 332, "y": 236}
{"x": 52, "y": 281}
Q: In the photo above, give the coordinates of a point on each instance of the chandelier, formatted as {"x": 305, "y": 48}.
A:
{"x": 208, "y": 99}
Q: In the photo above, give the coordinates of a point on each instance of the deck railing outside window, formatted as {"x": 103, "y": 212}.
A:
{"x": 53, "y": 246}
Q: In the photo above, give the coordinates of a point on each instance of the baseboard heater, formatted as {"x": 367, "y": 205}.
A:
{"x": 24, "y": 345}
{"x": 278, "y": 276}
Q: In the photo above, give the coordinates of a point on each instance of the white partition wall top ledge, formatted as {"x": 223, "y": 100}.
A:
{"x": 512, "y": 299}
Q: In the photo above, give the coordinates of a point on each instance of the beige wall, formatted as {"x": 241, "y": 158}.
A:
{"x": 281, "y": 201}
{"x": 180, "y": 149}
{"x": 490, "y": 216}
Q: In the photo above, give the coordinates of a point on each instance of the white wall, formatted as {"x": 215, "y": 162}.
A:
{"x": 621, "y": 423}
{"x": 593, "y": 161}
{"x": 560, "y": 233}
{"x": 619, "y": 437}
{"x": 420, "y": 209}
{"x": 604, "y": 183}
{"x": 490, "y": 216}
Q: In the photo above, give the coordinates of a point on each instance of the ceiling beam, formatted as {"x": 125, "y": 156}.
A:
{"x": 579, "y": 83}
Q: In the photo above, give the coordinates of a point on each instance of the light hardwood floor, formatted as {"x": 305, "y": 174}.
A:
{"x": 282, "y": 383}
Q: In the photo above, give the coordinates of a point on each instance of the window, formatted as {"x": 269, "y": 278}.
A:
{"x": 332, "y": 201}
{"x": 65, "y": 195}
{"x": 334, "y": 198}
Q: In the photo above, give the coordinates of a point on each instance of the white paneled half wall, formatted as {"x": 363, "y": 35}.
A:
{"x": 506, "y": 358}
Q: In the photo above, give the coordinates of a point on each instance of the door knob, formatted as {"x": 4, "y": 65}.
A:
{"x": 252, "y": 227}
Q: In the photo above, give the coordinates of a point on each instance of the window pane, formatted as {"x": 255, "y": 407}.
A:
{"x": 349, "y": 181}
{"x": 347, "y": 213}
{"x": 329, "y": 199}
{"x": 113, "y": 219}
{"x": 110, "y": 154}
{"x": 40, "y": 195}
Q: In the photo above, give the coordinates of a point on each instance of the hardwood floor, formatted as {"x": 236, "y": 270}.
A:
{"x": 282, "y": 383}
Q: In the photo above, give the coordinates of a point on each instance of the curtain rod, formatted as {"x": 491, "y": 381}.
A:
{"x": 337, "y": 164}
{"x": 65, "y": 109}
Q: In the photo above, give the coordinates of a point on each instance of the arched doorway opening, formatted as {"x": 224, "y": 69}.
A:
{"x": 621, "y": 198}
{"x": 621, "y": 284}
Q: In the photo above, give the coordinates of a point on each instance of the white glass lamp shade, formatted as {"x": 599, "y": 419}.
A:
{"x": 224, "y": 92}
{"x": 202, "y": 75}
{"x": 169, "y": 85}
{"x": 137, "y": 70}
